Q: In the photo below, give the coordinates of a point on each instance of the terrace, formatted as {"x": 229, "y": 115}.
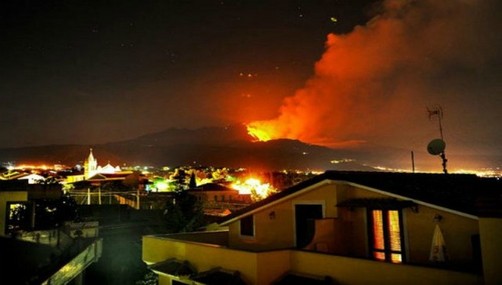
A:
{"x": 208, "y": 250}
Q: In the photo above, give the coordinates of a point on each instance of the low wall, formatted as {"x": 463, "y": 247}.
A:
{"x": 261, "y": 268}
{"x": 347, "y": 270}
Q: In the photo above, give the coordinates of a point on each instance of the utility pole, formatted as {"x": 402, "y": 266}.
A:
{"x": 412, "y": 162}
{"x": 137, "y": 199}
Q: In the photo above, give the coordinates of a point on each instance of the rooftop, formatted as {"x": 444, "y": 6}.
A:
{"x": 466, "y": 193}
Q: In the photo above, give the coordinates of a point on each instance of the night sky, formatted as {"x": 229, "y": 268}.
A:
{"x": 332, "y": 72}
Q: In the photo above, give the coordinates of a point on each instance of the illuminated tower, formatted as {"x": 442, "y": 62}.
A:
{"x": 90, "y": 165}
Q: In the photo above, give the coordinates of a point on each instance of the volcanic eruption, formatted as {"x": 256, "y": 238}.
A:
{"x": 374, "y": 83}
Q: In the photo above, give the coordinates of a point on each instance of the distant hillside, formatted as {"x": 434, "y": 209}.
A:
{"x": 206, "y": 135}
{"x": 231, "y": 146}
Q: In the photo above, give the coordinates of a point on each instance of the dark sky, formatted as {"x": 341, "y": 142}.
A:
{"x": 96, "y": 71}
{"x": 89, "y": 72}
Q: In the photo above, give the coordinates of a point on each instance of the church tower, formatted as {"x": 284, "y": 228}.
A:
{"x": 90, "y": 165}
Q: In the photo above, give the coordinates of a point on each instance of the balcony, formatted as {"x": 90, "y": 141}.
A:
{"x": 209, "y": 250}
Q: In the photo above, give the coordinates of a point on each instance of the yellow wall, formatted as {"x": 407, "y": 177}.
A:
{"x": 278, "y": 233}
{"x": 74, "y": 178}
{"x": 271, "y": 265}
{"x": 491, "y": 244}
{"x": 9, "y": 196}
{"x": 355, "y": 231}
{"x": 356, "y": 217}
{"x": 167, "y": 280}
{"x": 164, "y": 280}
{"x": 202, "y": 257}
{"x": 250, "y": 257}
{"x": 361, "y": 271}
{"x": 457, "y": 232}
{"x": 264, "y": 268}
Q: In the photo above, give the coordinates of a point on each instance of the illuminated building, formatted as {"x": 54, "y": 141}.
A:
{"x": 218, "y": 199}
{"x": 92, "y": 168}
{"x": 90, "y": 165}
{"x": 32, "y": 255}
{"x": 351, "y": 228}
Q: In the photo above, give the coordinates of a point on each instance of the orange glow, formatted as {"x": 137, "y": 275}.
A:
{"x": 395, "y": 236}
{"x": 258, "y": 133}
{"x": 386, "y": 236}
{"x": 255, "y": 187}
{"x": 34, "y": 167}
{"x": 367, "y": 84}
{"x": 378, "y": 235}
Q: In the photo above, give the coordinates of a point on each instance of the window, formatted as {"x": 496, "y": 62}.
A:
{"x": 19, "y": 216}
{"x": 386, "y": 238}
{"x": 247, "y": 226}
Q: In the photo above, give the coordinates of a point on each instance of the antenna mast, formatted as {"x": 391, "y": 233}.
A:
{"x": 437, "y": 111}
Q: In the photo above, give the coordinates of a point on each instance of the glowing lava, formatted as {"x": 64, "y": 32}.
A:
{"x": 368, "y": 83}
{"x": 260, "y": 134}
{"x": 266, "y": 130}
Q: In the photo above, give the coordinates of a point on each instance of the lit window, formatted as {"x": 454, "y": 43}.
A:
{"x": 18, "y": 217}
{"x": 386, "y": 235}
{"x": 247, "y": 226}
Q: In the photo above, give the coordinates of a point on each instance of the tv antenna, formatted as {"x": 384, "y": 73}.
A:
{"x": 437, "y": 112}
{"x": 437, "y": 146}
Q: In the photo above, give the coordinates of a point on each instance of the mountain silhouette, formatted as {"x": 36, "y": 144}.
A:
{"x": 229, "y": 146}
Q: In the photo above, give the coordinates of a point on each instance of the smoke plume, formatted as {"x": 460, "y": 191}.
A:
{"x": 375, "y": 83}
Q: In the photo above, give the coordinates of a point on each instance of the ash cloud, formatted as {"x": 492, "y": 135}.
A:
{"x": 374, "y": 84}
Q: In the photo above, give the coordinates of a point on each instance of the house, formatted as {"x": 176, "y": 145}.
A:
{"x": 351, "y": 228}
{"x": 33, "y": 178}
{"x": 12, "y": 174}
{"x": 12, "y": 194}
{"x": 214, "y": 192}
{"x": 19, "y": 194}
{"x": 25, "y": 262}
{"x": 218, "y": 199}
{"x": 43, "y": 255}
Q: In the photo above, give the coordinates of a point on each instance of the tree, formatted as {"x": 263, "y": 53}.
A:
{"x": 193, "y": 183}
{"x": 184, "y": 213}
{"x": 179, "y": 177}
{"x": 132, "y": 181}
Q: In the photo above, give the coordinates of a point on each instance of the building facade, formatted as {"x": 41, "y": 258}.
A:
{"x": 352, "y": 228}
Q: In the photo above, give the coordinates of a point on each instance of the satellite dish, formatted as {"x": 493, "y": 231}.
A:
{"x": 436, "y": 146}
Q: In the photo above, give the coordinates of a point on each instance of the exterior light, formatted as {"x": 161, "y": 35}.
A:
{"x": 271, "y": 215}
